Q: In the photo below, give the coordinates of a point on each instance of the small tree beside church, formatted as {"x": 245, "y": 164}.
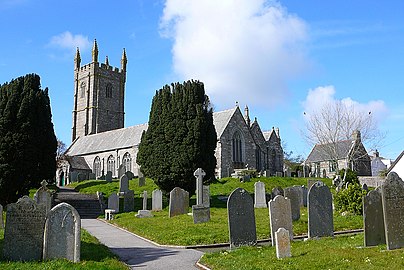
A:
{"x": 180, "y": 138}
{"x": 27, "y": 138}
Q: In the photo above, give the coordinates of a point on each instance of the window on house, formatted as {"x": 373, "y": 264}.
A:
{"x": 108, "y": 91}
{"x": 111, "y": 165}
{"x": 97, "y": 167}
{"x": 126, "y": 161}
{"x": 332, "y": 166}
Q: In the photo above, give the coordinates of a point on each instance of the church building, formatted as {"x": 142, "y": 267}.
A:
{"x": 101, "y": 143}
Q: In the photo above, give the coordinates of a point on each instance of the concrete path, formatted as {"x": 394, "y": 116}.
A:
{"x": 138, "y": 253}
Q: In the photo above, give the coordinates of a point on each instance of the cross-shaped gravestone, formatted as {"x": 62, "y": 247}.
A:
{"x": 199, "y": 174}
{"x": 44, "y": 184}
{"x": 144, "y": 195}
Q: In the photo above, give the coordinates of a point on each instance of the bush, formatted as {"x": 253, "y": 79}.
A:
{"x": 351, "y": 176}
{"x": 350, "y": 199}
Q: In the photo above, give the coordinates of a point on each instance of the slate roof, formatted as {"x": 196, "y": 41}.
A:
{"x": 221, "y": 120}
{"x": 320, "y": 153}
{"x": 77, "y": 162}
{"x": 108, "y": 140}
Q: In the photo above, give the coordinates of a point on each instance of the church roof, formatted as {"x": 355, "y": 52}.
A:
{"x": 321, "y": 152}
{"x": 221, "y": 120}
{"x": 77, "y": 162}
{"x": 108, "y": 140}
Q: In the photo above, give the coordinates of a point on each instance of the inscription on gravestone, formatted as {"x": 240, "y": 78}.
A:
{"x": 259, "y": 195}
{"x": 320, "y": 214}
{"x": 179, "y": 202}
{"x": 280, "y": 216}
{"x": 373, "y": 218}
{"x": 282, "y": 243}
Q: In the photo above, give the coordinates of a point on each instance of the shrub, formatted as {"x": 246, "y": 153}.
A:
{"x": 350, "y": 199}
{"x": 351, "y": 176}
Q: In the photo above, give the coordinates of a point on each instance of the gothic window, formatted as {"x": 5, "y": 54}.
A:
{"x": 83, "y": 89}
{"x": 237, "y": 147}
{"x": 97, "y": 167}
{"x": 126, "y": 161}
{"x": 108, "y": 91}
{"x": 111, "y": 165}
{"x": 258, "y": 159}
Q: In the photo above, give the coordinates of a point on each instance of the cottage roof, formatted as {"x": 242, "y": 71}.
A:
{"x": 321, "y": 152}
{"x": 108, "y": 140}
{"x": 221, "y": 120}
{"x": 78, "y": 163}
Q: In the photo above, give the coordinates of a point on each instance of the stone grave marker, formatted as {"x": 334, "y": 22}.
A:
{"x": 279, "y": 174}
{"x": 294, "y": 196}
{"x": 305, "y": 192}
{"x": 144, "y": 196}
{"x": 113, "y": 202}
{"x": 123, "y": 184}
{"x": 1, "y": 217}
{"x": 320, "y": 213}
{"x": 108, "y": 176}
{"x": 393, "y": 210}
{"x": 310, "y": 182}
{"x": 179, "y": 202}
{"x": 199, "y": 175}
{"x": 246, "y": 178}
{"x": 121, "y": 170}
{"x": 259, "y": 195}
{"x": 373, "y": 224}
{"x": 129, "y": 174}
{"x": 277, "y": 191}
{"x": 299, "y": 190}
{"x": 62, "y": 233}
{"x": 200, "y": 213}
{"x": 24, "y": 230}
{"x": 282, "y": 240}
{"x": 206, "y": 196}
{"x": 241, "y": 219}
{"x": 142, "y": 179}
{"x": 44, "y": 196}
{"x": 157, "y": 200}
{"x": 280, "y": 216}
{"x": 129, "y": 201}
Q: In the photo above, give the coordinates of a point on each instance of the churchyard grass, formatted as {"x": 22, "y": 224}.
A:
{"x": 340, "y": 252}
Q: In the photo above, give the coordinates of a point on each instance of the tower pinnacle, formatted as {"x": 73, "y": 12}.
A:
{"x": 124, "y": 60}
{"x": 77, "y": 59}
{"x": 95, "y": 51}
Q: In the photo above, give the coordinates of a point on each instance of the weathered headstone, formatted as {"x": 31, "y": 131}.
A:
{"x": 44, "y": 196}
{"x": 129, "y": 201}
{"x": 320, "y": 214}
{"x": 123, "y": 184}
{"x": 373, "y": 219}
{"x": 144, "y": 196}
{"x": 241, "y": 219}
{"x": 277, "y": 191}
{"x": 280, "y": 216}
{"x": 62, "y": 233}
{"x": 282, "y": 240}
{"x": 199, "y": 175}
{"x": 299, "y": 190}
{"x": 1, "y": 217}
{"x": 206, "y": 196}
{"x": 113, "y": 202}
{"x": 23, "y": 234}
{"x": 129, "y": 174}
{"x": 294, "y": 197}
{"x": 121, "y": 170}
{"x": 259, "y": 195}
{"x": 200, "y": 213}
{"x": 157, "y": 200}
{"x": 142, "y": 180}
{"x": 305, "y": 192}
{"x": 393, "y": 210}
{"x": 108, "y": 176}
{"x": 179, "y": 202}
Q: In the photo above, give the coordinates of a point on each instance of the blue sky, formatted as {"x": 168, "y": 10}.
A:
{"x": 279, "y": 58}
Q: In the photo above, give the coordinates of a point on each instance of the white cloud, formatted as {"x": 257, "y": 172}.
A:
{"x": 243, "y": 50}
{"x": 69, "y": 41}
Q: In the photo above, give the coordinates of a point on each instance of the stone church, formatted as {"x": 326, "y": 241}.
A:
{"x": 101, "y": 143}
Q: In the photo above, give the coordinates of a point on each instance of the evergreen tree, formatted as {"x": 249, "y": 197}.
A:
{"x": 180, "y": 137}
{"x": 27, "y": 139}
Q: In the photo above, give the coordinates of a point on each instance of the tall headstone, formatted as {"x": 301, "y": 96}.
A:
{"x": 280, "y": 216}
{"x": 113, "y": 202}
{"x": 129, "y": 201}
{"x": 62, "y": 233}
{"x": 23, "y": 235}
{"x": 179, "y": 202}
{"x": 320, "y": 213}
{"x": 393, "y": 210}
{"x": 282, "y": 240}
{"x": 373, "y": 219}
{"x": 1, "y": 217}
{"x": 294, "y": 197}
{"x": 199, "y": 175}
{"x": 241, "y": 219}
{"x": 144, "y": 195}
{"x": 121, "y": 170}
{"x": 108, "y": 176}
{"x": 299, "y": 190}
{"x": 259, "y": 195}
{"x": 123, "y": 184}
{"x": 157, "y": 200}
{"x": 305, "y": 192}
{"x": 44, "y": 196}
{"x": 206, "y": 196}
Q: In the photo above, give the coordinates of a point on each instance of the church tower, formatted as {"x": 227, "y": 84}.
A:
{"x": 99, "y": 93}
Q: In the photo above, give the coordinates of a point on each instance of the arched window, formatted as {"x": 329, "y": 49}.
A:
{"x": 97, "y": 167}
{"x": 108, "y": 91}
{"x": 111, "y": 165}
{"x": 237, "y": 144}
{"x": 126, "y": 162}
{"x": 83, "y": 89}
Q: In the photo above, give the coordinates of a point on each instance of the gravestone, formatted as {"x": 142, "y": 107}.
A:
{"x": 121, "y": 170}
{"x": 62, "y": 233}
{"x": 246, "y": 178}
{"x": 200, "y": 213}
{"x": 282, "y": 240}
{"x": 44, "y": 196}
{"x": 144, "y": 195}
{"x": 1, "y": 217}
{"x": 123, "y": 184}
{"x": 157, "y": 200}
{"x": 23, "y": 234}
{"x": 373, "y": 219}
{"x": 299, "y": 190}
{"x": 393, "y": 210}
{"x": 259, "y": 195}
{"x": 320, "y": 214}
{"x": 305, "y": 192}
{"x": 277, "y": 191}
{"x": 108, "y": 176}
{"x": 144, "y": 214}
{"x": 310, "y": 182}
{"x": 179, "y": 202}
{"x": 113, "y": 202}
{"x": 142, "y": 180}
{"x": 129, "y": 174}
{"x": 241, "y": 219}
{"x": 279, "y": 174}
{"x": 280, "y": 216}
{"x": 206, "y": 196}
{"x": 294, "y": 197}
{"x": 129, "y": 201}
{"x": 199, "y": 175}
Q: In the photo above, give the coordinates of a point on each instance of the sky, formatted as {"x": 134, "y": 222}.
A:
{"x": 282, "y": 59}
